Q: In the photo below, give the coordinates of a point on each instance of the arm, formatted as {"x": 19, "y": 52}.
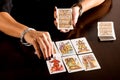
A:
{"x": 39, "y": 40}
{"x": 9, "y": 26}
{"x": 78, "y": 9}
{"x": 84, "y": 6}
{"x": 88, "y": 4}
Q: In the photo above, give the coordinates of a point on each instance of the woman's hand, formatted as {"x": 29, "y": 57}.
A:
{"x": 75, "y": 15}
{"x": 40, "y": 41}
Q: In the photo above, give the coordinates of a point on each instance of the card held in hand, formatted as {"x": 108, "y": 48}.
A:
{"x": 64, "y": 18}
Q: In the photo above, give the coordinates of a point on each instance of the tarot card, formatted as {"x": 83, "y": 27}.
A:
{"x": 55, "y": 49}
{"x": 72, "y": 63}
{"x": 55, "y": 65}
{"x": 105, "y": 28}
{"x": 81, "y": 45}
{"x": 106, "y": 31}
{"x": 64, "y": 18}
{"x": 65, "y": 47}
{"x": 89, "y": 61}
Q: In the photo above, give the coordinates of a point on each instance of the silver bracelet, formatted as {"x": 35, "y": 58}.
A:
{"x": 22, "y": 36}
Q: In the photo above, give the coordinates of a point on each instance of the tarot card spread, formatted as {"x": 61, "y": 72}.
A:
{"x": 66, "y": 59}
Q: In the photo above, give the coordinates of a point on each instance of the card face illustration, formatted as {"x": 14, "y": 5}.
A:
{"x": 55, "y": 65}
{"x": 89, "y": 61}
{"x": 65, "y": 47}
{"x": 72, "y": 63}
{"x": 64, "y": 18}
{"x": 81, "y": 45}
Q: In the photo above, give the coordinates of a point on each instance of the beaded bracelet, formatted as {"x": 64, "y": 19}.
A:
{"x": 22, "y": 36}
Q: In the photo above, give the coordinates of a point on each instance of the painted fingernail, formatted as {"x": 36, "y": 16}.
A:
{"x": 48, "y": 58}
{"x": 52, "y": 56}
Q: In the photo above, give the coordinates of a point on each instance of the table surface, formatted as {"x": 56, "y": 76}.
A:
{"x": 18, "y": 62}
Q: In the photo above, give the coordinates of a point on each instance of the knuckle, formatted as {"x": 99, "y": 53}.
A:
{"x": 44, "y": 49}
{"x": 46, "y": 33}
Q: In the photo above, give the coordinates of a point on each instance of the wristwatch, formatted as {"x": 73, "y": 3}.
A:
{"x": 80, "y": 6}
{"x": 80, "y": 10}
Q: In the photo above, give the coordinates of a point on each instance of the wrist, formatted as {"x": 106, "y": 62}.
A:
{"x": 80, "y": 8}
{"x": 22, "y": 40}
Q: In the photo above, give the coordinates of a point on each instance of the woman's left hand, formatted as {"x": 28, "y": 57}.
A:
{"x": 75, "y": 15}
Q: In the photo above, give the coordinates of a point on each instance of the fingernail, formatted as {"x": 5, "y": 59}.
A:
{"x": 48, "y": 58}
{"x": 52, "y": 56}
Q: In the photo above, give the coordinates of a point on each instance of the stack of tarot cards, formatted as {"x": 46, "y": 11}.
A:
{"x": 64, "y": 18}
{"x": 72, "y": 55}
{"x": 106, "y": 31}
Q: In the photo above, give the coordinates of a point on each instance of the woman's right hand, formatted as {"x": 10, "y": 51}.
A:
{"x": 41, "y": 41}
